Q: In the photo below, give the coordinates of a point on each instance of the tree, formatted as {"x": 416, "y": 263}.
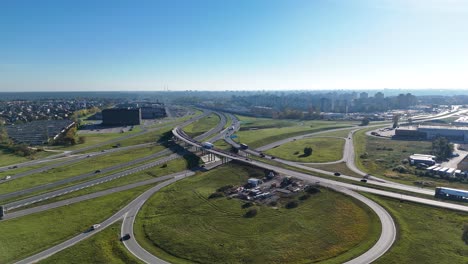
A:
{"x": 81, "y": 140}
{"x": 442, "y": 148}
{"x": 4, "y": 138}
{"x": 307, "y": 151}
{"x": 395, "y": 119}
{"x": 365, "y": 121}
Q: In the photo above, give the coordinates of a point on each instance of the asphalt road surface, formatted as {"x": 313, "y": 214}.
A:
{"x": 77, "y": 187}
{"x": 136, "y": 203}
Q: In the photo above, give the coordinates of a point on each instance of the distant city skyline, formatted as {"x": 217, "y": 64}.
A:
{"x": 233, "y": 45}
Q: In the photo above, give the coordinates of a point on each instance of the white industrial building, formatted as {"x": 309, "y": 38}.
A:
{"x": 457, "y": 133}
{"x": 462, "y": 121}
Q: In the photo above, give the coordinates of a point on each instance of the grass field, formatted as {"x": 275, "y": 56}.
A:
{"x": 104, "y": 247}
{"x": 7, "y": 157}
{"x": 426, "y": 234}
{"x": 87, "y": 165}
{"x": 33, "y": 233}
{"x": 92, "y": 139}
{"x": 182, "y": 225}
{"x": 221, "y": 144}
{"x": 324, "y": 149}
{"x": 259, "y": 137}
{"x": 201, "y": 126}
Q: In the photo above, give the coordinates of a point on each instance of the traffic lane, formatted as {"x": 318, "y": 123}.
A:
{"x": 45, "y": 207}
{"x": 81, "y": 176}
{"x": 127, "y": 227}
{"x": 52, "y": 194}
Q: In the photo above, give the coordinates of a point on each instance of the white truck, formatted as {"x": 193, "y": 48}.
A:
{"x": 207, "y": 145}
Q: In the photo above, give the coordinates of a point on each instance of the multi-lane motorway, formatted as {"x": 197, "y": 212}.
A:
{"x": 129, "y": 212}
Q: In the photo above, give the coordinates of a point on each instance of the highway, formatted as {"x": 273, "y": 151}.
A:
{"x": 129, "y": 212}
{"x": 45, "y": 207}
{"x": 136, "y": 203}
{"x": 388, "y": 233}
{"x": 80, "y": 186}
{"x": 83, "y": 176}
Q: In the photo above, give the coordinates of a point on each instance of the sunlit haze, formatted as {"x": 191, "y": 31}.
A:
{"x": 234, "y": 45}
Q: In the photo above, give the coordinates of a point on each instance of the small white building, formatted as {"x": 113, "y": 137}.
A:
{"x": 254, "y": 182}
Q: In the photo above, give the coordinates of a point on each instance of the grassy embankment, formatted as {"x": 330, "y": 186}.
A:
{"x": 202, "y": 125}
{"x": 181, "y": 225}
{"x": 257, "y": 132}
{"x": 385, "y": 154}
{"x": 426, "y": 234}
{"x": 7, "y": 157}
{"x": 33, "y": 233}
{"x": 104, "y": 247}
{"x": 85, "y": 166}
{"x": 172, "y": 166}
{"x": 324, "y": 149}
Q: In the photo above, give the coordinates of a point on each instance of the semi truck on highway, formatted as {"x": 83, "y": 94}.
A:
{"x": 451, "y": 194}
{"x": 207, "y": 145}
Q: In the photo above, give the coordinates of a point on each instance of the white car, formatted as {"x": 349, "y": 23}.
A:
{"x": 7, "y": 177}
{"x": 95, "y": 226}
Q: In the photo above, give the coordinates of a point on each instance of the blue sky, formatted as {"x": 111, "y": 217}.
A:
{"x": 232, "y": 44}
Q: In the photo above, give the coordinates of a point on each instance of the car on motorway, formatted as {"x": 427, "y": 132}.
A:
{"x": 337, "y": 174}
{"x": 95, "y": 226}
{"x": 363, "y": 180}
{"x": 125, "y": 237}
{"x": 97, "y": 171}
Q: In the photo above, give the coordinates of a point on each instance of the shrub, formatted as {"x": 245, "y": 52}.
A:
{"x": 224, "y": 188}
{"x": 291, "y": 204}
{"x": 304, "y": 197}
{"x": 296, "y": 153}
{"x": 250, "y": 213}
{"x": 273, "y": 203}
{"x": 365, "y": 155}
{"x": 164, "y": 165}
{"x": 215, "y": 195}
{"x": 400, "y": 169}
{"x": 247, "y": 205}
{"x": 307, "y": 151}
{"x": 312, "y": 190}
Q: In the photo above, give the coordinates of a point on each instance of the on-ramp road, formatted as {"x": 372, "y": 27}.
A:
{"x": 136, "y": 203}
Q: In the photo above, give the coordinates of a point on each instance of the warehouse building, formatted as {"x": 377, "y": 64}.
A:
{"x": 121, "y": 116}
{"x": 456, "y": 133}
{"x": 153, "y": 112}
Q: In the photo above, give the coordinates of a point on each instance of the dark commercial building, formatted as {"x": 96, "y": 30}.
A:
{"x": 153, "y": 112}
{"x": 121, "y": 117}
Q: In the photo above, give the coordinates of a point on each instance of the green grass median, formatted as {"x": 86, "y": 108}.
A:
{"x": 25, "y": 236}
{"x": 324, "y": 149}
{"x": 181, "y": 224}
